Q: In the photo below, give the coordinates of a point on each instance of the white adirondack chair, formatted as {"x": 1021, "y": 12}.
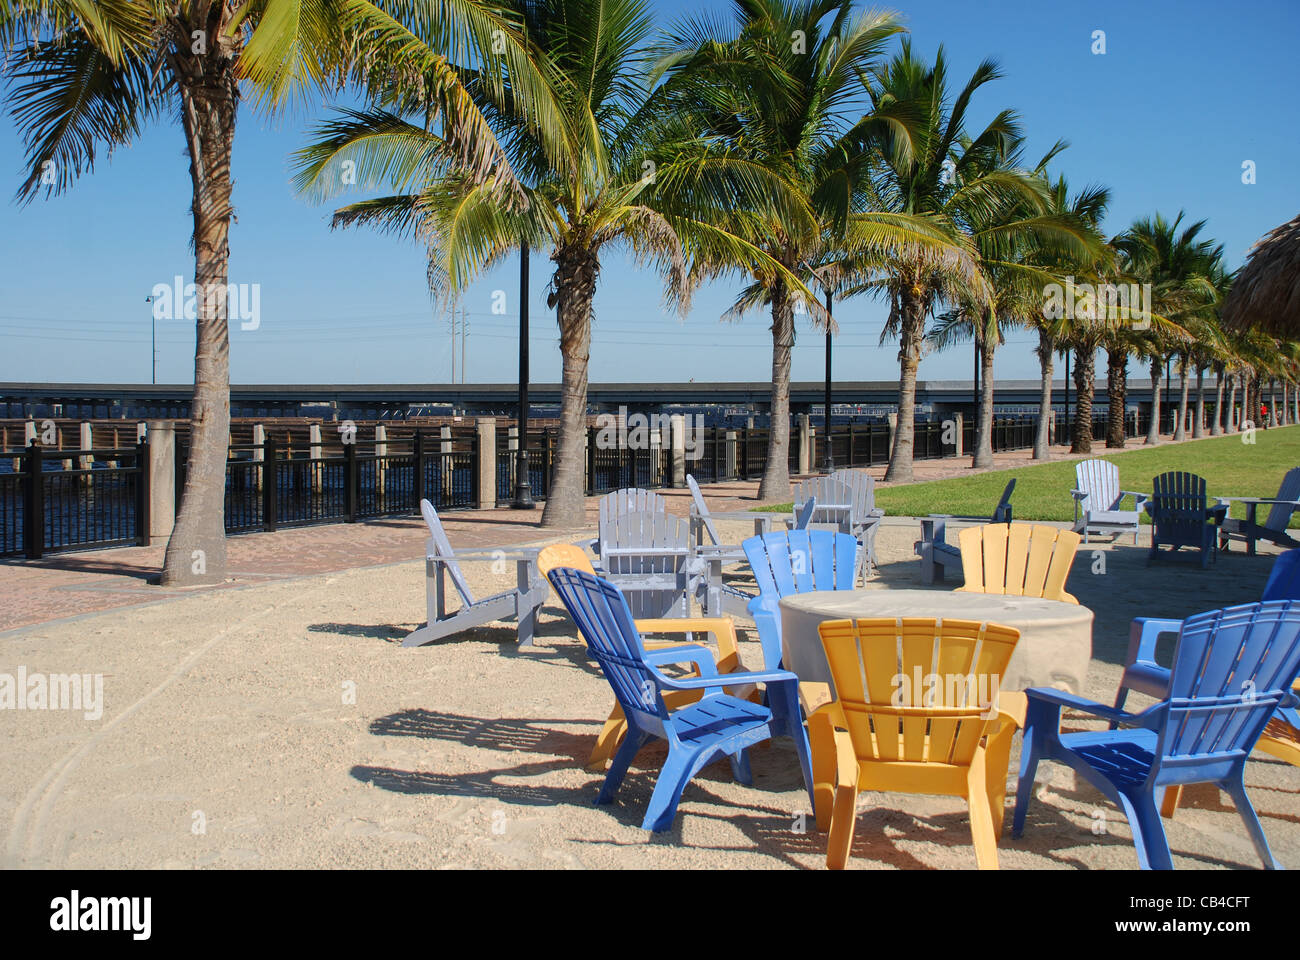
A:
{"x": 1098, "y": 501}
{"x": 649, "y": 556}
{"x": 1274, "y": 528}
{"x": 933, "y": 548}
{"x": 847, "y": 499}
{"x": 520, "y": 603}
{"x": 717, "y": 554}
{"x": 619, "y": 502}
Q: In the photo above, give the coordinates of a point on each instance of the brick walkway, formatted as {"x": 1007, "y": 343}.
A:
{"x": 74, "y": 584}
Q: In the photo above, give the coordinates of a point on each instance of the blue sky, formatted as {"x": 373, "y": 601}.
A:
{"x": 1185, "y": 93}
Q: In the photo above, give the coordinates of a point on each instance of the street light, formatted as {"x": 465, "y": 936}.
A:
{"x": 523, "y": 487}
{"x": 153, "y": 343}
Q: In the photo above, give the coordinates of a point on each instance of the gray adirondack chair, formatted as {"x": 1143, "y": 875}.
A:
{"x": 520, "y": 603}
{"x": 1098, "y": 501}
{"x": 1274, "y": 528}
{"x": 649, "y": 556}
{"x": 933, "y": 548}
{"x": 1179, "y": 516}
{"x": 717, "y": 595}
{"x": 847, "y": 499}
{"x": 618, "y": 502}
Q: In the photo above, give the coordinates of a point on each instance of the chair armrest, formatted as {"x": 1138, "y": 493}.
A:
{"x": 729, "y": 680}
{"x": 1142, "y": 637}
{"x": 722, "y": 628}
{"x": 1138, "y": 497}
{"x": 701, "y": 657}
{"x": 1079, "y": 494}
{"x": 1062, "y": 698}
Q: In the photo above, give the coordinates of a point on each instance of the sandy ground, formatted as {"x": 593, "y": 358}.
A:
{"x": 281, "y": 725}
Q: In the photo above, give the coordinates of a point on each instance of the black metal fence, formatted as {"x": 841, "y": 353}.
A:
{"x": 102, "y": 501}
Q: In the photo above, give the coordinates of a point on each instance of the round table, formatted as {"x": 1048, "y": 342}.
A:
{"x": 1055, "y": 638}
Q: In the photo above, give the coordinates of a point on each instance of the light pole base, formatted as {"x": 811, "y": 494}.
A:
{"x": 523, "y": 487}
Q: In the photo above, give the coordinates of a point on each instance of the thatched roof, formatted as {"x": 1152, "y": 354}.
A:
{"x": 1266, "y": 293}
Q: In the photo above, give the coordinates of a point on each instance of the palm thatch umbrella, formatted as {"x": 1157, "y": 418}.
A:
{"x": 1266, "y": 293}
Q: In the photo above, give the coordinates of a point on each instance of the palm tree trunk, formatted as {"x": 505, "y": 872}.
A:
{"x": 1180, "y": 428}
{"x": 911, "y": 332}
{"x": 1282, "y": 409}
{"x": 209, "y": 100}
{"x": 1272, "y": 401}
{"x": 776, "y": 474}
{"x": 576, "y": 270}
{"x": 1117, "y": 394}
{"x": 1217, "y": 427}
{"x": 1042, "y": 435}
{"x": 1085, "y": 372}
{"x": 1153, "y": 428}
{"x": 984, "y": 416}
{"x": 1232, "y": 420}
{"x": 1198, "y": 425}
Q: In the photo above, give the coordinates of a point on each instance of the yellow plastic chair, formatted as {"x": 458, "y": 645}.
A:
{"x": 723, "y": 630}
{"x": 1018, "y": 559}
{"x": 892, "y": 728}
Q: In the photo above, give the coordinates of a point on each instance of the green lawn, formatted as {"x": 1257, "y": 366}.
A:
{"x": 1231, "y": 468}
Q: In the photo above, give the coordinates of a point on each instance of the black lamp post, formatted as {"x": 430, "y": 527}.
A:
{"x": 828, "y": 461}
{"x": 523, "y": 488}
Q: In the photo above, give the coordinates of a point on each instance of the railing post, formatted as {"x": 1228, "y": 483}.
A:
{"x": 350, "y": 481}
{"x": 485, "y": 462}
{"x": 476, "y": 478}
{"x": 417, "y": 478}
{"x": 270, "y": 486}
{"x": 159, "y": 464}
{"x": 143, "y": 466}
{"x": 34, "y": 505}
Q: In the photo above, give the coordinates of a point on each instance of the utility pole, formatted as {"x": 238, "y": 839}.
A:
{"x": 464, "y": 341}
{"x": 153, "y": 342}
{"x": 453, "y": 346}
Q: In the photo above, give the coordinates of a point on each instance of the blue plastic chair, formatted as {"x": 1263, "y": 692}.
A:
{"x": 794, "y": 561}
{"x": 1143, "y": 674}
{"x": 1231, "y": 671}
{"x": 717, "y": 725}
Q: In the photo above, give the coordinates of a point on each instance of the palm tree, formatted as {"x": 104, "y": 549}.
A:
{"x": 627, "y": 172}
{"x": 86, "y": 78}
{"x": 779, "y": 90}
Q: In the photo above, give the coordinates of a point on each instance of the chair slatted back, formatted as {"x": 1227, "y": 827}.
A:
{"x": 917, "y": 689}
{"x": 605, "y": 623}
{"x": 1284, "y": 579}
{"x": 439, "y": 546}
{"x": 1099, "y": 479}
{"x": 835, "y": 501}
{"x": 647, "y": 543}
{"x": 863, "y": 487}
{"x": 1280, "y": 515}
{"x": 1018, "y": 559}
{"x": 1178, "y": 507}
{"x": 627, "y": 500}
{"x": 787, "y": 562}
{"x": 1231, "y": 668}
{"x": 702, "y": 510}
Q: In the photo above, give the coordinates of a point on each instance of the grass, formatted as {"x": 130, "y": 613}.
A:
{"x": 1231, "y": 468}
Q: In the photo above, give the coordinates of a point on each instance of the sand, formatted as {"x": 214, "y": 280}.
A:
{"x": 282, "y": 725}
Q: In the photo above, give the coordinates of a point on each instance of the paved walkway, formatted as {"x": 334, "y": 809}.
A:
{"x": 73, "y": 584}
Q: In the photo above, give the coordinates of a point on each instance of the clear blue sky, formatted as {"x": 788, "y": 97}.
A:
{"x": 1186, "y": 92}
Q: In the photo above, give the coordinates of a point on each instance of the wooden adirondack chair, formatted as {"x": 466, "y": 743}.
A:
{"x": 1018, "y": 559}
{"x": 1274, "y": 528}
{"x": 866, "y": 740}
{"x": 1098, "y": 500}
{"x": 1143, "y": 673}
{"x": 719, "y": 596}
{"x": 936, "y": 553}
{"x": 723, "y": 630}
{"x": 618, "y": 502}
{"x": 846, "y": 498}
{"x": 519, "y": 604}
{"x": 1179, "y": 516}
{"x": 718, "y": 725}
{"x": 1232, "y": 670}
{"x": 649, "y": 556}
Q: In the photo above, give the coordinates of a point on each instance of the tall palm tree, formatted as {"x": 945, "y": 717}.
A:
{"x": 627, "y": 172}
{"x": 778, "y": 89}
{"x": 86, "y": 78}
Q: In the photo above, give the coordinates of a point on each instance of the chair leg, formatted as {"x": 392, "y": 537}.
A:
{"x": 668, "y": 791}
{"x": 1237, "y": 790}
{"x": 1148, "y": 832}
{"x": 1025, "y": 784}
{"x": 997, "y": 758}
{"x": 608, "y": 740}
{"x": 821, "y": 736}
{"x": 614, "y": 779}
{"x": 843, "y": 820}
{"x": 1169, "y": 805}
{"x": 982, "y": 830}
{"x": 740, "y": 768}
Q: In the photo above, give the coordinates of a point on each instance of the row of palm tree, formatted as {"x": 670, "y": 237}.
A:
{"x": 779, "y": 142}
